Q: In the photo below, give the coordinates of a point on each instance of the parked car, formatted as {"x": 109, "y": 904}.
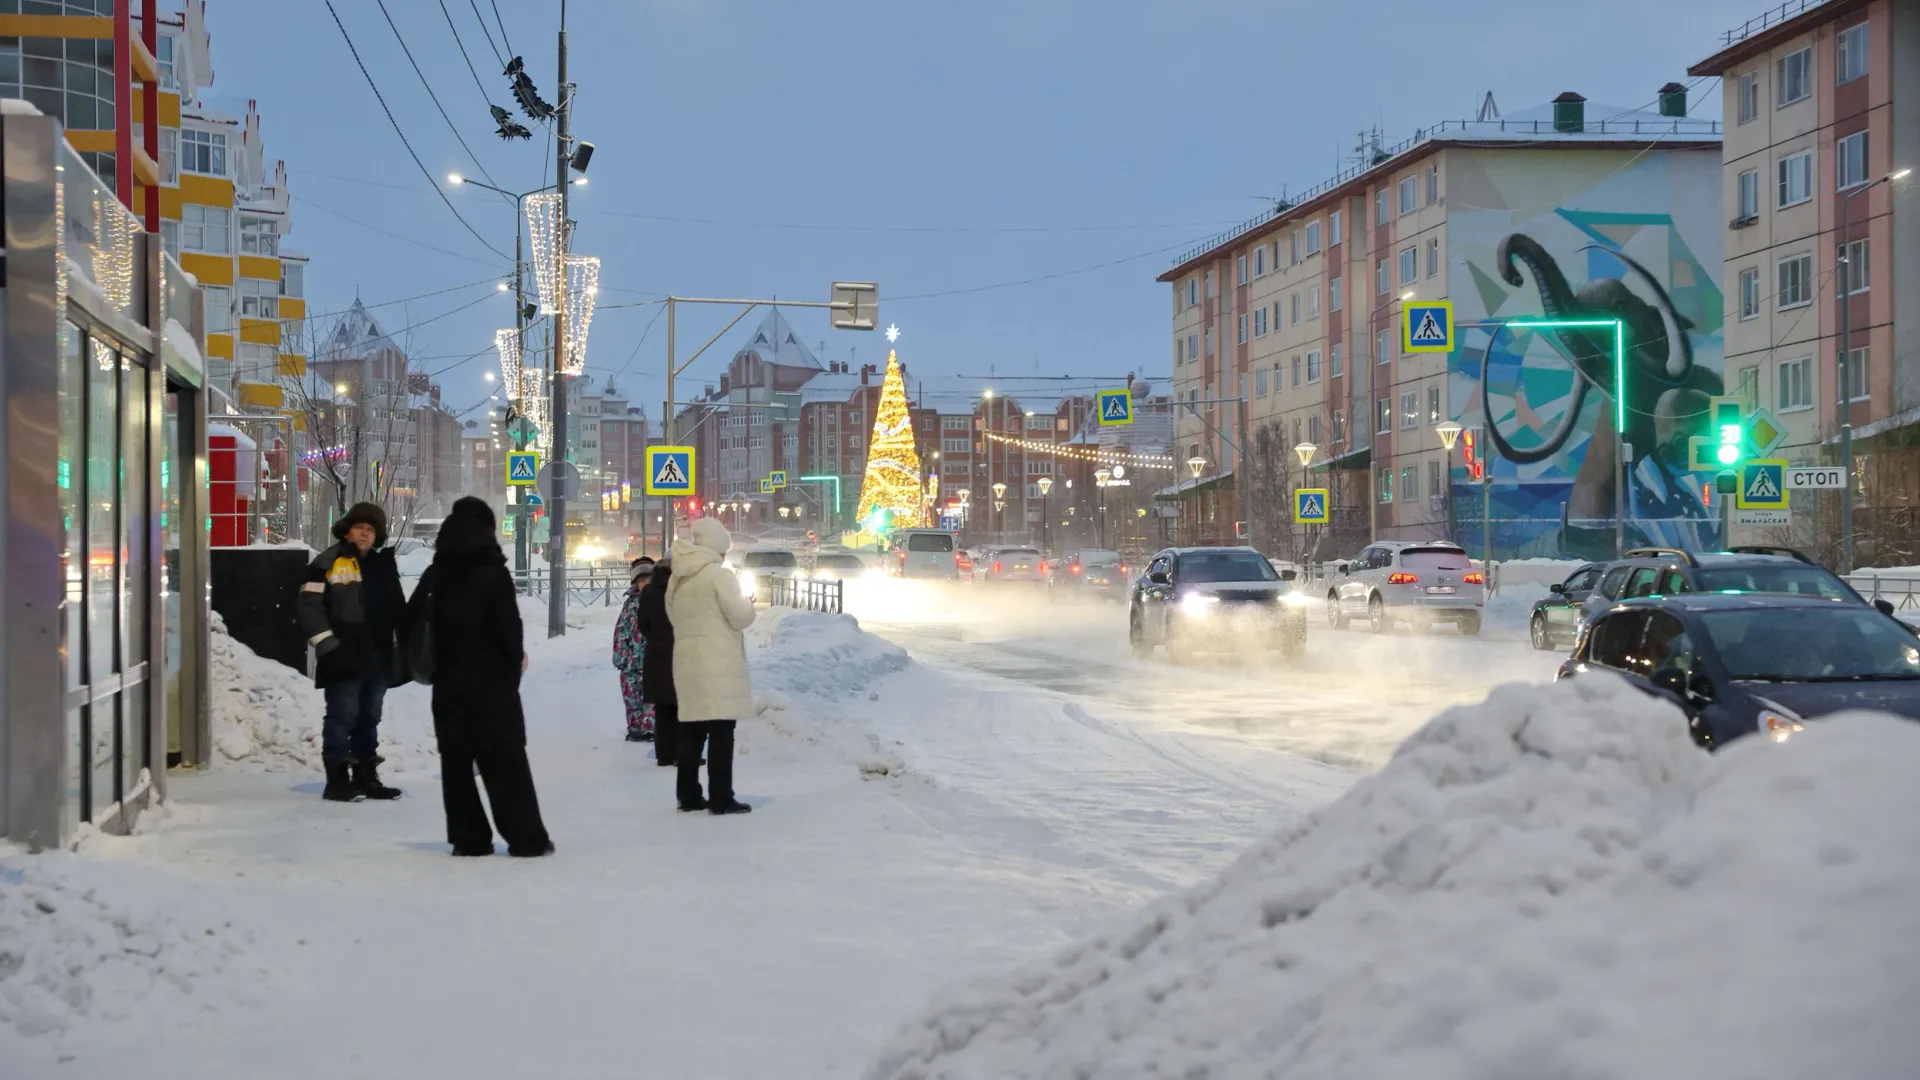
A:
{"x": 1098, "y": 574}
{"x": 1017, "y": 565}
{"x": 924, "y": 553}
{"x": 1656, "y": 571}
{"x": 1396, "y": 581}
{"x": 1556, "y": 619}
{"x": 1194, "y": 600}
{"x": 1739, "y": 663}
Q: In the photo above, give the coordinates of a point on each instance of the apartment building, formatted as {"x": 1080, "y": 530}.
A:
{"x": 1570, "y": 209}
{"x": 1821, "y": 106}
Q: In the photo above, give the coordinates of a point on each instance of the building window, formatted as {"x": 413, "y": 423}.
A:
{"x": 1855, "y": 273}
{"x": 1796, "y": 282}
{"x": 219, "y": 309}
{"x": 1294, "y": 303}
{"x": 1409, "y": 410}
{"x": 206, "y": 228}
{"x": 1850, "y": 53}
{"x": 1750, "y": 292}
{"x": 1409, "y": 265}
{"x": 1850, "y": 161}
{"x": 1260, "y": 383}
{"x": 1433, "y": 184}
{"x": 1409, "y": 195}
{"x": 1385, "y": 423}
{"x": 1279, "y": 380}
{"x": 258, "y": 237}
{"x": 1859, "y": 386}
{"x": 1313, "y": 238}
{"x": 1409, "y": 484}
{"x": 1293, "y": 248}
{"x": 203, "y": 152}
{"x": 169, "y": 155}
{"x": 1436, "y": 477}
{"x": 1193, "y": 291}
{"x": 1296, "y": 372}
{"x": 1260, "y": 260}
{"x": 1379, "y": 207}
{"x": 1313, "y": 428}
{"x": 1193, "y": 346}
{"x": 170, "y": 237}
{"x": 1750, "y": 195}
{"x": 1793, "y": 77}
{"x": 1796, "y": 178}
{"x": 1333, "y": 228}
{"x": 1747, "y": 95}
{"x": 1380, "y": 277}
{"x": 1240, "y": 271}
{"x": 1207, "y": 340}
{"x": 1313, "y": 366}
{"x": 1259, "y": 322}
{"x": 1748, "y": 388}
{"x": 1384, "y": 478}
{"x": 1336, "y": 362}
{"x": 1796, "y": 384}
{"x": 1383, "y": 346}
{"x": 1333, "y": 295}
{"x": 1241, "y": 329}
{"x": 259, "y": 299}
{"x": 1433, "y": 405}
{"x": 1339, "y": 425}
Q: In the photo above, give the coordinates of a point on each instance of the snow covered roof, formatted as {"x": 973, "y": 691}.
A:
{"x": 777, "y": 343}
{"x": 357, "y": 334}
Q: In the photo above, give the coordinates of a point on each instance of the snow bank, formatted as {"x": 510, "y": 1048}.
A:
{"x": 1553, "y": 883}
{"x": 265, "y": 713}
{"x": 1509, "y": 609}
{"x": 70, "y": 959}
{"x": 826, "y": 656}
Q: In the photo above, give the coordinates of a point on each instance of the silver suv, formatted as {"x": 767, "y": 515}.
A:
{"x": 1419, "y": 583}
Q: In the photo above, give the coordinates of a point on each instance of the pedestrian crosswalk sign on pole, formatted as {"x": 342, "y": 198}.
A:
{"x": 670, "y": 471}
{"x": 523, "y": 468}
{"x": 1116, "y": 407}
{"x": 1310, "y": 506}
{"x": 1763, "y": 485}
{"x": 766, "y": 485}
{"x": 1426, "y": 326}
{"x": 777, "y": 479}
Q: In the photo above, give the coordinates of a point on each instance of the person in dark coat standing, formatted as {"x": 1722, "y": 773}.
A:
{"x": 467, "y": 597}
{"x": 656, "y": 681}
{"x": 348, "y": 608}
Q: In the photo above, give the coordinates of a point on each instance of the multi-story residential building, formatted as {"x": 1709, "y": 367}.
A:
{"x": 1570, "y": 209}
{"x": 1821, "y": 106}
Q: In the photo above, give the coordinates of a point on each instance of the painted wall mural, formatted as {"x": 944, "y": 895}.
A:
{"x": 1559, "y": 235}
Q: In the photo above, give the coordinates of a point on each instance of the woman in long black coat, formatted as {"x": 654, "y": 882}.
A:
{"x": 478, "y": 659}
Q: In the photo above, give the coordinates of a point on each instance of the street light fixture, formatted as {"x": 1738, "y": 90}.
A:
{"x": 1449, "y": 433}
{"x": 1195, "y": 464}
{"x": 1305, "y": 451}
{"x": 1045, "y": 484}
{"x": 1845, "y": 370}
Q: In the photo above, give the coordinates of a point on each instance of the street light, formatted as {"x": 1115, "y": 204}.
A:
{"x": 1195, "y": 464}
{"x": 1045, "y": 484}
{"x": 1305, "y": 451}
{"x": 1101, "y": 476}
{"x": 1449, "y": 433}
{"x": 1845, "y": 371}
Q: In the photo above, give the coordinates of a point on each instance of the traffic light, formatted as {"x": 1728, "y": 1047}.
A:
{"x": 1729, "y": 431}
{"x": 1476, "y": 469}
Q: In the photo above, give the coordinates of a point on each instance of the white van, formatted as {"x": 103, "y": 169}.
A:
{"x": 924, "y": 553}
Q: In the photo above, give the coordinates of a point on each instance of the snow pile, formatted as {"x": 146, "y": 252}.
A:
{"x": 1553, "y": 883}
{"x": 70, "y": 960}
{"x": 819, "y": 655}
{"x": 266, "y": 713}
{"x": 1509, "y": 609}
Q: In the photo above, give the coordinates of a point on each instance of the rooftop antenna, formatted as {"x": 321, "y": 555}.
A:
{"x": 1489, "y": 110}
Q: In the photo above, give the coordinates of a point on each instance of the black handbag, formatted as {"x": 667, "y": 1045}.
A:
{"x": 419, "y": 643}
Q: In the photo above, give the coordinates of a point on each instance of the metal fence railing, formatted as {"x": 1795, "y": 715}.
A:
{"x": 1902, "y": 592}
{"x": 584, "y": 587}
{"x": 827, "y": 596}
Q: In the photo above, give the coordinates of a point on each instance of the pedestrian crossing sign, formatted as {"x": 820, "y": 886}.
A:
{"x": 523, "y": 468}
{"x": 777, "y": 479}
{"x": 1310, "y": 506}
{"x": 766, "y": 485}
{"x": 1763, "y": 485}
{"x": 1426, "y": 326}
{"x": 670, "y": 471}
{"x": 1116, "y": 407}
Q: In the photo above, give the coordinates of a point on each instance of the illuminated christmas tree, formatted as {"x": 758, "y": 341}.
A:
{"x": 890, "y": 493}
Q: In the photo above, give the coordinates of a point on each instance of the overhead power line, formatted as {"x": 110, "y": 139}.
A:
{"x": 503, "y": 26}
{"x": 435, "y": 98}
{"x": 303, "y": 200}
{"x": 424, "y": 171}
{"x": 482, "y": 19}
{"x": 462, "y": 46}
{"x": 405, "y": 299}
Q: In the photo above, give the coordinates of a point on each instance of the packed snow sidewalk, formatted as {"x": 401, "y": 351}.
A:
{"x": 910, "y": 829}
{"x": 1554, "y": 883}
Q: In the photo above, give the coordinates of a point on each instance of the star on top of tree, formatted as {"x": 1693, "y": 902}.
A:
{"x": 893, "y": 333}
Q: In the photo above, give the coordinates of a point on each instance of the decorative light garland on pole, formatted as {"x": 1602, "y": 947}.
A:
{"x": 507, "y": 344}
{"x": 583, "y": 289}
{"x": 1108, "y": 457}
{"x": 543, "y": 234}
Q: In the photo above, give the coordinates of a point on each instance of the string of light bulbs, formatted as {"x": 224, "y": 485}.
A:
{"x": 1079, "y": 453}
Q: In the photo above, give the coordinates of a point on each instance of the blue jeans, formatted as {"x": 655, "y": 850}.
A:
{"x": 352, "y": 726}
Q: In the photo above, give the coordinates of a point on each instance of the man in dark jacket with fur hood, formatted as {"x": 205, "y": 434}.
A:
{"x": 348, "y": 607}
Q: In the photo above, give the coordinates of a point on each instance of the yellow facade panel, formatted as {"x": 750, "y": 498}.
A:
{"x": 262, "y": 395}
{"x": 170, "y": 203}
{"x": 210, "y": 269}
{"x": 263, "y": 267}
{"x": 292, "y": 307}
{"x": 206, "y": 190}
{"x": 220, "y": 346}
{"x": 260, "y": 331}
{"x": 95, "y": 142}
{"x": 169, "y": 109}
{"x": 57, "y": 26}
{"x": 293, "y": 365}
{"x": 299, "y": 418}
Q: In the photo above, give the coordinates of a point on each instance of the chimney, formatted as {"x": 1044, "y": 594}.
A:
{"x": 1569, "y": 113}
{"x": 866, "y": 372}
{"x": 1673, "y": 100}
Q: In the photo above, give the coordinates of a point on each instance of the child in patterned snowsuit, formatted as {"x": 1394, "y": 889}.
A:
{"x": 629, "y": 656}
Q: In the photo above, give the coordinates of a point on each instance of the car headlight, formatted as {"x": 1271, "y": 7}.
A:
{"x": 1779, "y": 726}
{"x": 1294, "y": 599}
{"x": 1198, "y": 603}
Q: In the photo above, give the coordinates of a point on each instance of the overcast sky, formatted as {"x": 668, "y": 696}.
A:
{"x": 946, "y": 150}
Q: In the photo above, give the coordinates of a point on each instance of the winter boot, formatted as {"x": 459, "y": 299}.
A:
{"x": 367, "y": 779}
{"x": 688, "y": 806}
{"x": 730, "y": 806}
{"x": 636, "y": 735}
{"x": 340, "y": 785}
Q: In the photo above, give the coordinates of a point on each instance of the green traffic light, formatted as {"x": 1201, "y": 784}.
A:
{"x": 1727, "y": 455}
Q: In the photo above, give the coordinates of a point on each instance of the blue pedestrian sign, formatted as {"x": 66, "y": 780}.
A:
{"x": 1116, "y": 407}
{"x": 777, "y": 478}
{"x": 523, "y": 467}
{"x": 1426, "y": 326}
{"x": 532, "y": 498}
{"x": 1310, "y": 506}
{"x": 670, "y": 471}
{"x": 1763, "y": 485}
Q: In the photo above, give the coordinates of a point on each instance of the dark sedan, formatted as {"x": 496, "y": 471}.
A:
{"x": 1194, "y": 600}
{"x": 1738, "y": 663}
{"x": 1090, "y": 574}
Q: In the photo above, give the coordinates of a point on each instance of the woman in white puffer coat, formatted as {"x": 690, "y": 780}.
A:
{"x": 710, "y": 677}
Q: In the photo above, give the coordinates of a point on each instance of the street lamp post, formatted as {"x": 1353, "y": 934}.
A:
{"x": 1449, "y": 433}
{"x": 1305, "y": 451}
{"x": 1845, "y": 370}
{"x": 1194, "y": 465}
{"x": 1045, "y": 484}
{"x": 1101, "y": 476}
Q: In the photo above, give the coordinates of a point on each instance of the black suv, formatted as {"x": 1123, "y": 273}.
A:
{"x": 1737, "y": 663}
{"x": 1749, "y": 569}
{"x": 1202, "y": 599}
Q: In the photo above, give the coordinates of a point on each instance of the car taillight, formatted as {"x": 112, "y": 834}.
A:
{"x": 1076, "y": 569}
{"x": 1475, "y": 578}
{"x": 1403, "y": 579}
{"x": 1123, "y": 568}
{"x": 996, "y": 566}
